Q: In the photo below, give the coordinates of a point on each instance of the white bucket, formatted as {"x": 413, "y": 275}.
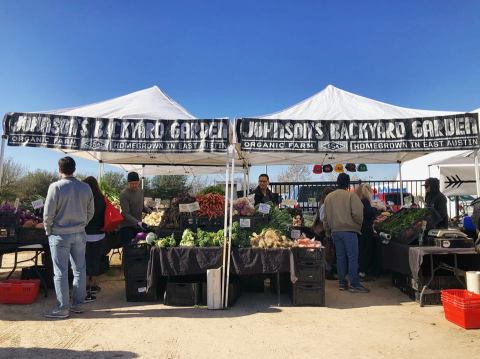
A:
{"x": 473, "y": 281}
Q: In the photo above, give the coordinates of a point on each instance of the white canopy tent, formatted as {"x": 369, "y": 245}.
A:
{"x": 336, "y": 126}
{"x": 335, "y": 104}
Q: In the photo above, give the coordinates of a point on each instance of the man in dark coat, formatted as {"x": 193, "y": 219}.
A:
{"x": 436, "y": 200}
{"x": 263, "y": 193}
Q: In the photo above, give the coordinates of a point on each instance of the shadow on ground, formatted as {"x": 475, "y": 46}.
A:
{"x": 62, "y": 353}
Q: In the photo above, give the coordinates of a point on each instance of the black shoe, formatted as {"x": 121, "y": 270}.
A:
{"x": 93, "y": 289}
{"x": 359, "y": 289}
{"x": 90, "y": 298}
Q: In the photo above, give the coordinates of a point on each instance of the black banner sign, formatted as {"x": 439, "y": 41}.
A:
{"x": 116, "y": 135}
{"x": 440, "y": 133}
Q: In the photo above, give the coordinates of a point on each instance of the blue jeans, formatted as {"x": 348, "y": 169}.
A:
{"x": 64, "y": 247}
{"x": 346, "y": 246}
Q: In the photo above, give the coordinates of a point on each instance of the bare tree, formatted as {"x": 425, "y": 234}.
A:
{"x": 295, "y": 173}
{"x": 12, "y": 173}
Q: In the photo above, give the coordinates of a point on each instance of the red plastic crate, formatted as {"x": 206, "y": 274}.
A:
{"x": 462, "y": 308}
{"x": 16, "y": 291}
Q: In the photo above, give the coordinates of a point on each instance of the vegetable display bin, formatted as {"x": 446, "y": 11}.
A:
{"x": 9, "y": 223}
{"x": 462, "y": 308}
{"x": 17, "y": 291}
{"x": 405, "y": 226}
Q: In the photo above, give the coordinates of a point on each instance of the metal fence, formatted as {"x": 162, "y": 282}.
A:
{"x": 307, "y": 194}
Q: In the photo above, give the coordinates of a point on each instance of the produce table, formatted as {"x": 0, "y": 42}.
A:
{"x": 427, "y": 264}
{"x": 178, "y": 261}
{"x": 181, "y": 261}
{"x": 26, "y": 239}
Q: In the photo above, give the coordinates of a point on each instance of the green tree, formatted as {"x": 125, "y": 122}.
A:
{"x": 167, "y": 187}
{"x": 116, "y": 181}
{"x": 12, "y": 173}
{"x": 35, "y": 184}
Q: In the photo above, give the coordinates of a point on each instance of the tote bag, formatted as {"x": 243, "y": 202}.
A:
{"x": 112, "y": 217}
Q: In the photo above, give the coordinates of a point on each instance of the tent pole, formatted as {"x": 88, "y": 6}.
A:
{"x": 143, "y": 177}
{"x": 225, "y": 227}
{"x": 232, "y": 179}
{"x": 2, "y": 155}
{"x": 401, "y": 182}
{"x": 477, "y": 172}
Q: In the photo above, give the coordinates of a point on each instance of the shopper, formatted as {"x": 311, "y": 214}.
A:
{"x": 262, "y": 193}
{"x": 436, "y": 200}
{"x": 343, "y": 219}
{"x": 68, "y": 208}
{"x": 320, "y": 234}
{"x": 95, "y": 249}
{"x": 132, "y": 205}
{"x": 367, "y": 258}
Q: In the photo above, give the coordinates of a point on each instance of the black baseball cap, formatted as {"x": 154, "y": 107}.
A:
{"x": 133, "y": 177}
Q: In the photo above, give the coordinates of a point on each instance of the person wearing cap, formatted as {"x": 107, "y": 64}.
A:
{"x": 262, "y": 193}
{"x": 436, "y": 200}
{"x": 343, "y": 218}
{"x": 132, "y": 205}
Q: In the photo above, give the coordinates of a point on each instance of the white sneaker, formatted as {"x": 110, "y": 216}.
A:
{"x": 57, "y": 314}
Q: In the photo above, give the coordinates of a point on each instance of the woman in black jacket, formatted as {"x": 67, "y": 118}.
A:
{"x": 367, "y": 257}
{"x": 95, "y": 248}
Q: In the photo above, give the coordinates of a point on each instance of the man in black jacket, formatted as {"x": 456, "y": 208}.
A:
{"x": 436, "y": 200}
{"x": 263, "y": 193}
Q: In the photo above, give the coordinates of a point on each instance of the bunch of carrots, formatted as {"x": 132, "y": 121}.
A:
{"x": 212, "y": 205}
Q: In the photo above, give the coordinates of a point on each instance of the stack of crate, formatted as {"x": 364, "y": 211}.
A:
{"x": 135, "y": 264}
{"x": 309, "y": 290}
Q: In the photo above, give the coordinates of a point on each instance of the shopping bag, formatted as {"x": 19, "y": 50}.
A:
{"x": 112, "y": 217}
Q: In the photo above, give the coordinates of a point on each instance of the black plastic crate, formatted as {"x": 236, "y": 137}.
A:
{"x": 252, "y": 283}
{"x": 308, "y": 294}
{"x": 44, "y": 273}
{"x": 308, "y": 254}
{"x": 310, "y": 271}
{"x": 428, "y": 298}
{"x": 132, "y": 251}
{"x": 183, "y": 294}
{"x": 9, "y": 224}
{"x": 136, "y": 290}
{"x": 233, "y": 292}
{"x": 135, "y": 266}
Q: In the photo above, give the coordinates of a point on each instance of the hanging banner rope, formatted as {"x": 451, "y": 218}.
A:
{"x": 440, "y": 133}
{"x": 116, "y": 135}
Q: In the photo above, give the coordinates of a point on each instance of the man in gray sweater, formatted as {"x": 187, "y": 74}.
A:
{"x": 68, "y": 209}
{"x": 131, "y": 202}
{"x": 343, "y": 217}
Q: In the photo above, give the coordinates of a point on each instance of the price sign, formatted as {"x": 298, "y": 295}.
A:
{"x": 244, "y": 222}
{"x": 312, "y": 200}
{"x": 37, "y": 204}
{"x": 264, "y": 208}
{"x": 189, "y": 207}
{"x": 158, "y": 203}
{"x": 289, "y": 202}
{"x": 17, "y": 203}
{"x": 295, "y": 233}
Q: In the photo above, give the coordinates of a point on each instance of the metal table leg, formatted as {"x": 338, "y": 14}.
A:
{"x": 278, "y": 289}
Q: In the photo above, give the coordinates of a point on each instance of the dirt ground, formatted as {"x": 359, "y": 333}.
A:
{"x": 383, "y": 323}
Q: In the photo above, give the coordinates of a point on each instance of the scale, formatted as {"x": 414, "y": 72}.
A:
{"x": 450, "y": 238}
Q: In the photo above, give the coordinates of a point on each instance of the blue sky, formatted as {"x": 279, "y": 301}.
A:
{"x": 236, "y": 58}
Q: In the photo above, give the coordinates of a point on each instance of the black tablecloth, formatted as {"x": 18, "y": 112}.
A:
{"x": 394, "y": 257}
{"x": 180, "y": 261}
{"x": 25, "y": 236}
{"x": 416, "y": 254}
